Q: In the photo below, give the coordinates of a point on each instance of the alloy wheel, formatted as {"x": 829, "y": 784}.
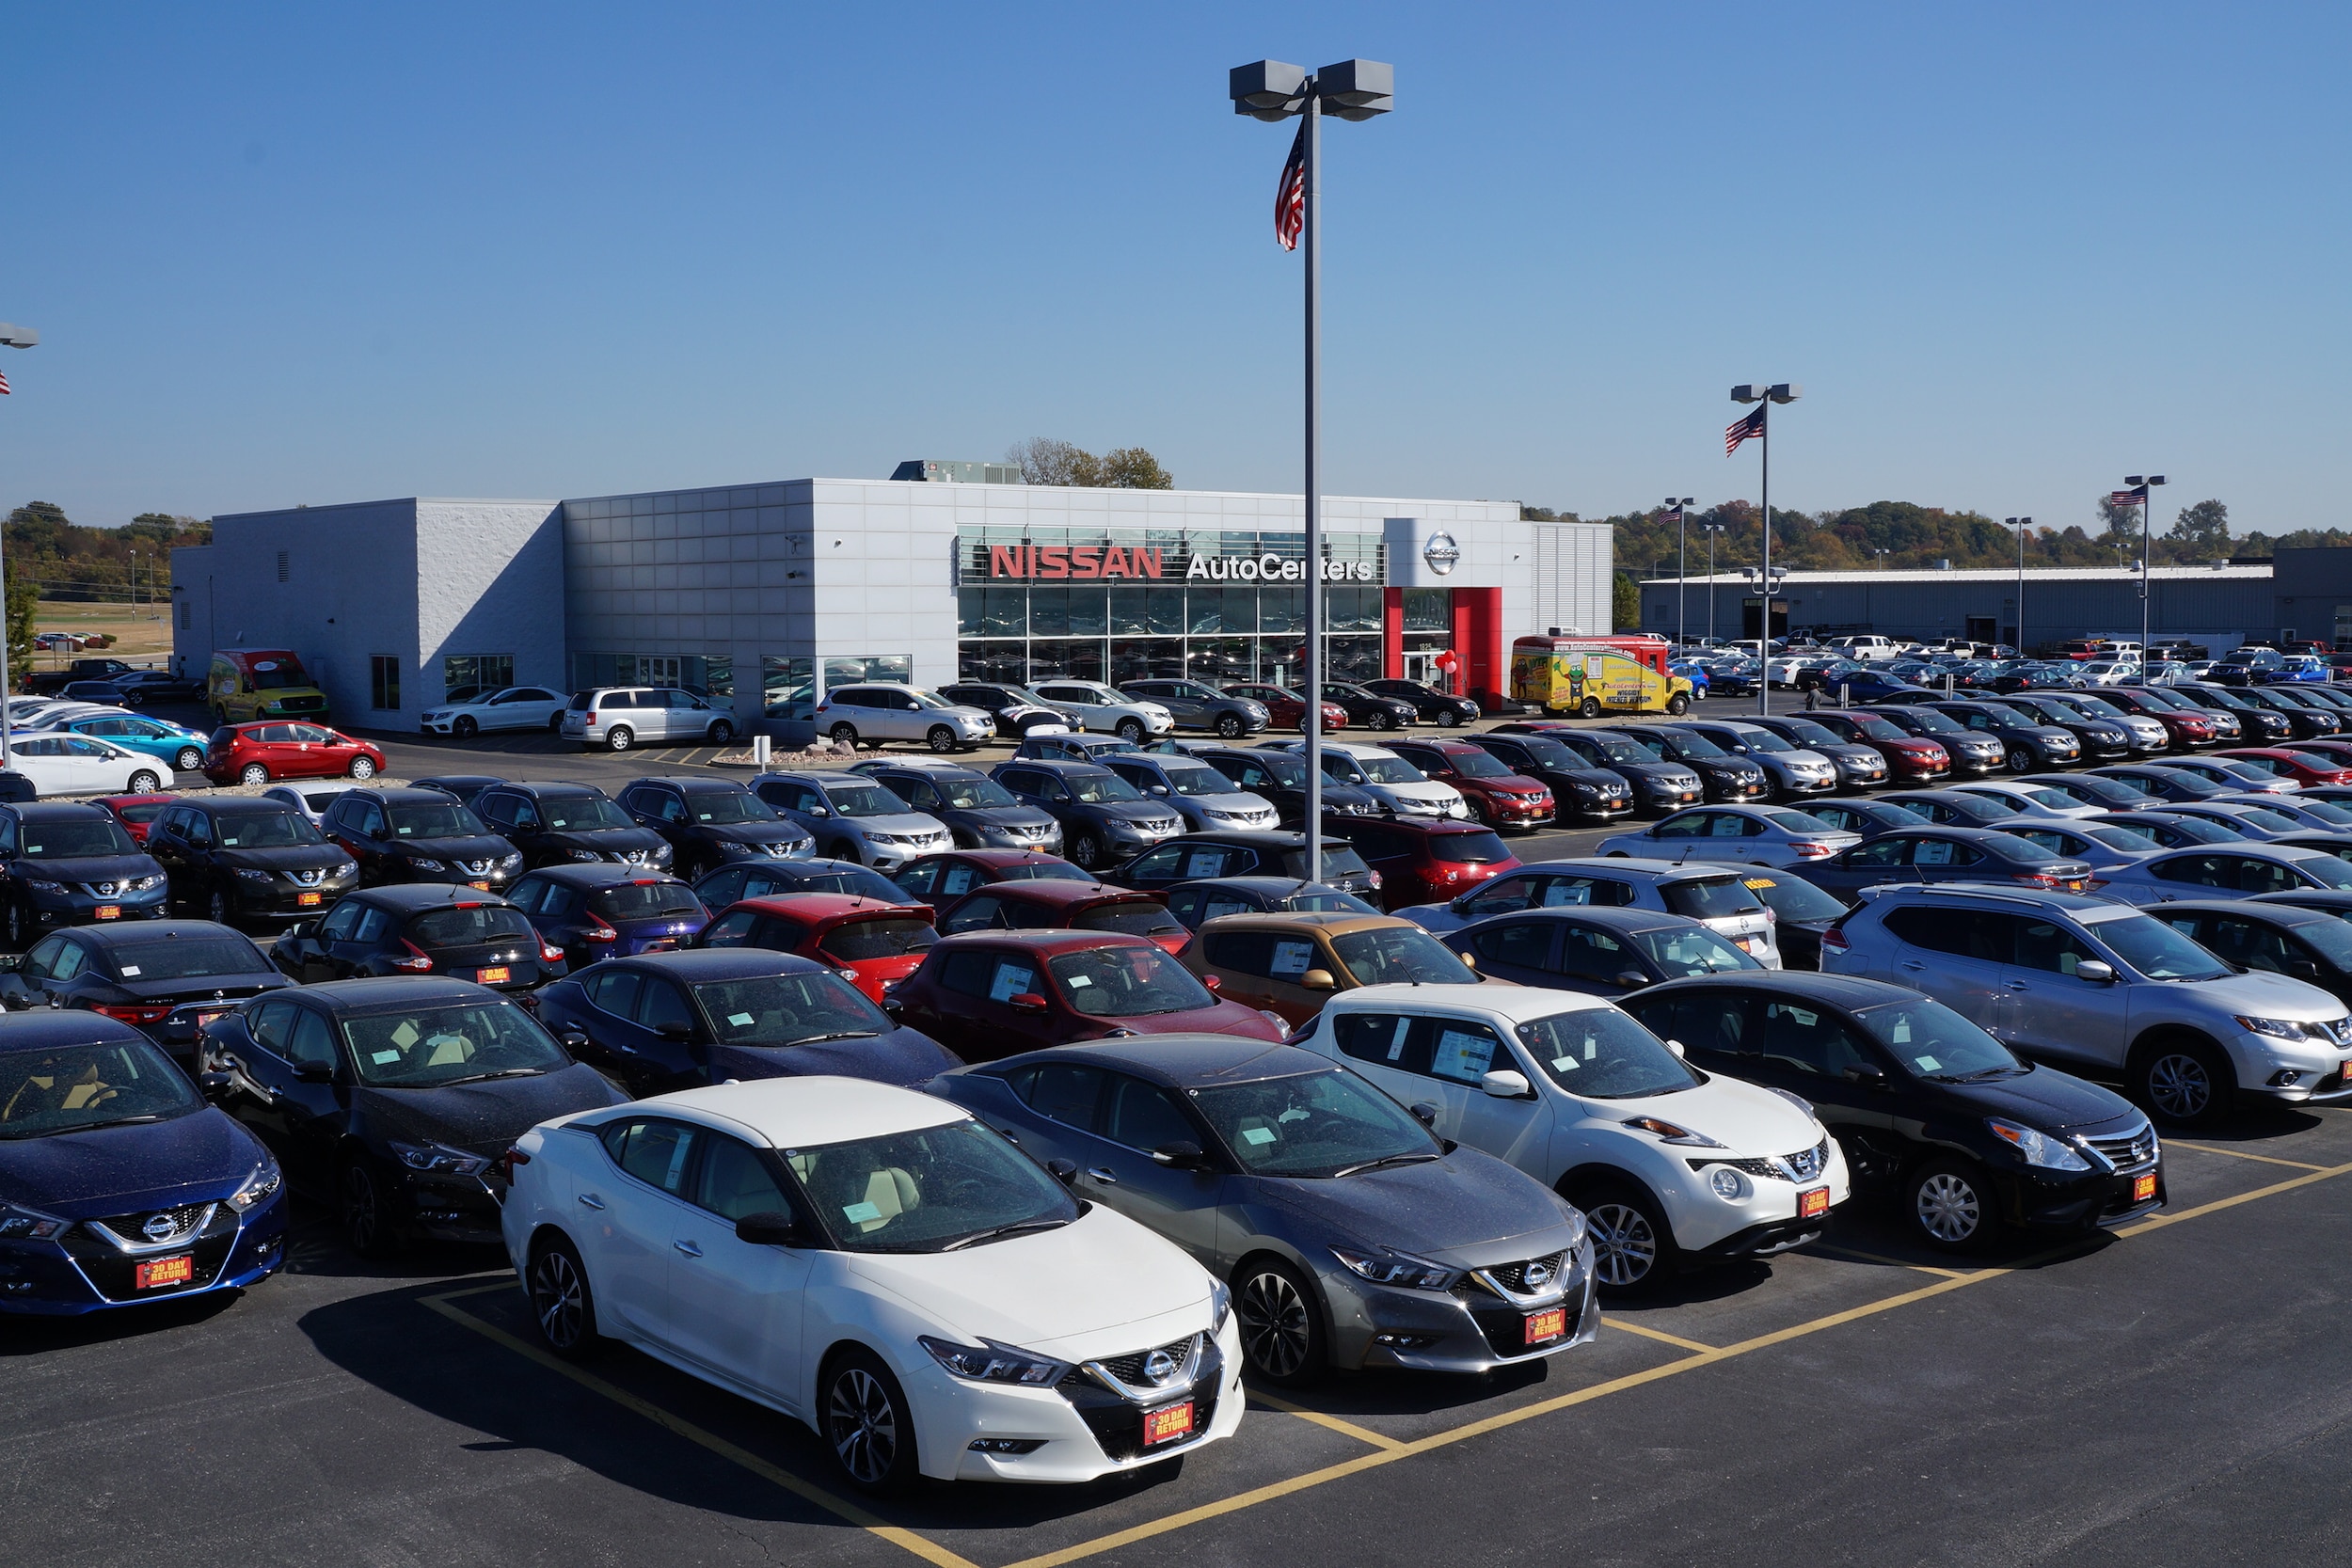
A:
{"x": 363, "y": 1210}
{"x": 466, "y": 728}
{"x": 253, "y": 773}
{"x": 362, "y": 767}
{"x": 558, "y": 1299}
{"x": 939, "y": 738}
{"x": 1948, "y": 1207}
{"x": 1275, "y": 1334}
{"x": 143, "y": 782}
{"x": 17, "y": 923}
{"x": 1228, "y": 726}
{"x": 619, "y": 739}
{"x": 2180, "y": 1086}
{"x": 845, "y": 736}
{"x": 217, "y": 907}
{"x": 1084, "y": 852}
{"x": 862, "y": 1424}
{"x": 1624, "y": 1249}
{"x": 189, "y": 760}
{"x": 1131, "y": 730}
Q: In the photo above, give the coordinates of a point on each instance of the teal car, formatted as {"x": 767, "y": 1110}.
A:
{"x": 176, "y": 744}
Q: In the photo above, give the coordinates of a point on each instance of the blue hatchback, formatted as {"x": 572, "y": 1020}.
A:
{"x": 175, "y": 744}
{"x": 603, "y": 911}
{"x": 119, "y": 1185}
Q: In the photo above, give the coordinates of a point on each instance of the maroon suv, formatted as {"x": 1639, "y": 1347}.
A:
{"x": 1421, "y": 861}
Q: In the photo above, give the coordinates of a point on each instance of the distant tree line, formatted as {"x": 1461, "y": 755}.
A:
{"x": 69, "y": 561}
{"x": 1046, "y": 461}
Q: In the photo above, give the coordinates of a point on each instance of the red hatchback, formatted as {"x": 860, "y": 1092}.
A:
{"x": 874, "y": 945}
{"x": 282, "y": 749}
{"x": 135, "y": 812}
{"x": 2287, "y": 762}
{"x": 1046, "y": 906}
{"x": 1501, "y": 798}
{"x": 1910, "y": 758}
{"x": 1421, "y": 861}
{"x": 939, "y": 879}
{"x": 989, "y": 994}
{"x": 1287, "y": 709}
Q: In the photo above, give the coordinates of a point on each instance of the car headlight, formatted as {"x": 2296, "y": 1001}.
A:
{"x": 147, "y": 884}
{"x": 1672, "y": 1132}
{"x": 28, "y": 1225}
{"x": 245, "y": 874}
{"x": 423, "y": 863}
{"x": 1275, "y": 1019}
{"x": 511, "y": 860}
{"x": 1221, "y": 1307}
{"x": 438, "y": 1159}
{"x": 661, "y": 853}
{"x": 338, "y": 873}
{"x": 2286, "y": 1028}
{"x": 1401, "y": 1269}
{"x": 993, "y": 1362}
{"x": 582, "y": 855}
{"x": 2039, "y": 1148}
{"x": 265, "y": 1180}
{"x": 58, "y": 888}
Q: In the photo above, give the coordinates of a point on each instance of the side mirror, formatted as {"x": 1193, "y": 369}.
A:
{"x": 894, "y": 1009}
{"x": 677, "y": 1033}
{"x": 1318, "y": 979}
{"x": 1629, "y": 979}
{"x": 575, "y": 1039}
{"x": 1868, "y": 1074}
{"x": 1158, "y": 789}
{"x": 1028, "y": 1002}
{"x": 2095, "y": 970}
{"x": 1213, "y": 982}
{"x": 313, "y": 1072}
{"x": 1424, "y": 1113}
{"x": 1677, "y": 1048}
{"x": 214, "y": 1082}
{"x": 1180, "y": 1156}
{"x": 1506, "y": 1084}
{"x": 1062, "y": 1171}
{"x": 818, "y": 810}
{"x": 1470, "y": 960}
{"x": 771, "y": 1228}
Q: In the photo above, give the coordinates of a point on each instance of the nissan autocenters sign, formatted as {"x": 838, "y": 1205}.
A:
{"x": 1028, "y": 562}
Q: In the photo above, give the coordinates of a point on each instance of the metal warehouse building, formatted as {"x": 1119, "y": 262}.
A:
{"x": 764, "y": 594}
{"x": 2303, "y": 593}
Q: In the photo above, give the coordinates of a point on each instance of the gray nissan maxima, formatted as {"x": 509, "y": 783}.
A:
{"x": 1351, "y": 1236}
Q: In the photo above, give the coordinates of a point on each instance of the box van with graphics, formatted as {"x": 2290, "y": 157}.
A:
{"x": 1592, "y": 675}
{"x": 262, "y": 683}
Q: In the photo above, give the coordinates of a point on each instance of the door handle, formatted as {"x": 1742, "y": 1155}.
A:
{"x": 689, "y": 1248}
{"x": 2019, "y": 985}
{"x": 590, "y": 1200}
{"x": 1105, "y": 1175}
{"x": 1908, "y": 964}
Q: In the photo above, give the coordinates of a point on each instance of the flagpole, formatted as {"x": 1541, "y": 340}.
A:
{"x": 2147, "y": 505}
{"x": 1682, "y": 573}
{"x": 1313, "y": 236}
{"x": 1764, "y": 627}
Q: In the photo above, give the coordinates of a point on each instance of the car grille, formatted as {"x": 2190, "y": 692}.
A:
{"x": 1551, "y": 1272}
{"x": 1160, "y": 825}
{"x": 306, "y": 877}
{"x": 1132, "y": 1370}
{"x": 1506, "y": 1331}
{"x": 1806, "y": 1163}
{"x": 130, "y": 1230}
{"x": 2128, "y": 1150}
{"x": 478, "y": 869}
{"x": 1116, "y": 1421}
{"x": 299, "y": 704}
{"x": 114, "y": 1270}
{"x": 632, "y": 857}
{"x": 2338, "y": 1030}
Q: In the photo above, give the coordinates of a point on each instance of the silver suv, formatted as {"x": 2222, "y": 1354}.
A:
{"x": 619, "y": 717}
{"x": 2086, "y": 983}
{"x": 1717, "y": 896}
{"x": 876, "y": 711}
{"x": 853, "y": 817}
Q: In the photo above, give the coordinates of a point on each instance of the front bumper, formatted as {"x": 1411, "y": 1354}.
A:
{"x": 1468, "y": 1330}
{"x": 445, "y": 1208}
{"x": 79, "y": 1272}
{"x": 281, "y": 898}
{"x": 79, "y": 906}
{"x": 2038, "y": 1199}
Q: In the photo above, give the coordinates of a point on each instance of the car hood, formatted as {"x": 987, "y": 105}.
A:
{"x": 464, "y": 846}
{"x": 1605, "y": 780}
{"x": 755, "y": 832}
{"x": 1067, "y": 1292}
{"x": 483, "y": 1118}
{"x": 1745, "y": 1119}
{"x": 1133, "y": 811}
{"x": 903, "y": 1056}
{"x": 1429, "y": 789}
{"x": 1223, "y": 1018}
{"x": 2256, "y": 995}
{"x": 603, "y": 840}
{"x": 2042, "y": 1099}
{"x": 1464, "y": 1201}
{"x": 285, "y": 856}
{"x": 892, "y": 822}
{"x": 109, "y": 1171}
{"x": 1002, "y": 816}
{"x": 89, "y": 868}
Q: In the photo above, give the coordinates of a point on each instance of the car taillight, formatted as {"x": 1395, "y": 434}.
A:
{"x": 592, "y": 719}
{"x": 549, "y": 955}
{"x": 418, "y": 960}
{"x": 1809, "y": 850}
{"x": 1833, "y": 941}
{"x": 508, "y": 1160}
{"x": 135, "y": 1015}
{"x": 2037, "y": 879}
{"x": 598, "y": 931}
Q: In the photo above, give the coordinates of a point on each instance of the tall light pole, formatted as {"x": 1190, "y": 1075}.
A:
{"x": 2144, "y": 486}
{"x": 1763, "y": 397}
{"x": 1273, "y": 91}
{"x": 2021, "y": 525}
{"x": 1681, "y": 510}
{"x": 1710, "y": 529}
{"x": 10, "y": 337}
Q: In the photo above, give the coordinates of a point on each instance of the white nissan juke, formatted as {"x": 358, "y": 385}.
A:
{"x": 882, "y": 1266}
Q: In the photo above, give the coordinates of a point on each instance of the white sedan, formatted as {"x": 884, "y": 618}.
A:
{"x": 882, "y": 1266}
{"x": 2103, "y": 672}
{"x": 517, "y": 707}
{"x": 60, "y": 764}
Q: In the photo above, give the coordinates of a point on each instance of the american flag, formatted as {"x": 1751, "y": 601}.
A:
{"x": 1671, "y": 514}
{"x": 2134, "y": 497}
{"x": 1748, "y": 425}
{"x": 4, "y": 385}
{"x": 1290, "y": 198}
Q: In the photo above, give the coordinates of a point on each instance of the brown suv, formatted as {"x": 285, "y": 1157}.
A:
{"x": 1291, "y": 965}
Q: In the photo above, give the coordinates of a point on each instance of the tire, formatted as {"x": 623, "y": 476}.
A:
{"x": 720, "y": 733}
{"x": 465, "y": 728}
{"x": 362, "y": 769}
{"x": 363, "y": 1213}
{"x": 252, "y": 773}
{"x": 1129, "y": 731}
{"x": 143, "y": 782}
{"x": 1379, "y": 719}
{"x": 1948, "y": 1204}
{"x": 21, "y": 929}
{"x": 844, "y": 734}
{"x": 845, "y": 850}
{"x": 620, "y": 737}
{"x": 1282, "y": 1322}
{"x": 189, "y": 760}
{"x": 867, "y": 1424}
{"x": 221, "y": 714}
{"x": 131, "y": 699}
{"x": 562, "y": 1305}
{"x": 2183, "y": 1080}
{"x": 1633, "y": 1248}
{"x": 1677, "y": 704}
{"x": 1588, "y": 708}
{"x": 939, "y": 738}
{"x": 555, "y": 724}
{"x": 1229, "y": 726}
{"x": 1085, "y": 851}
{"x": 1447, "y": 719}
{"x": 2020, "y": 760}
{"x": 219, "y": 908}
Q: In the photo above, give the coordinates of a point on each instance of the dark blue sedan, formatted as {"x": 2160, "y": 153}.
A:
{"x": 604, "y": 910}
{"x": 675, "y": 1020}
{"x": 118, "y": 1183}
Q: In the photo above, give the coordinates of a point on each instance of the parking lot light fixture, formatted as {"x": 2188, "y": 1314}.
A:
{"x": 2021, "y": 525}
{"x": 11, "y": 336}
{"x": 1681, "y": 510}
{"x": 1764, "y": 395}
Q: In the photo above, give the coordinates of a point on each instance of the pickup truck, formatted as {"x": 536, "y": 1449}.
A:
{"x": 50, "y": 682}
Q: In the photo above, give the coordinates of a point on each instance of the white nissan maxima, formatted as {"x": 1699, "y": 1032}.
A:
{"x": 882, "y": 1266}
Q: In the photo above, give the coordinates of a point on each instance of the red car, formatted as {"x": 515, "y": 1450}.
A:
{"x": 2183, "y": 728}
{"x": 989, "y": 994}
{"x": 1047, "y": 905}
{"x": 1423, "y": 862}
{"x": 874, "y": 945}
{"x": 2283, "y": 762}
{"x": 1910, "y": 758}
{"x": 1501, "y": 798}
{"x": 135, "y": 812}
{"x": 276, "y": 749}
{"x": 939, "y": 879}
{"x": 1287, "y": 709}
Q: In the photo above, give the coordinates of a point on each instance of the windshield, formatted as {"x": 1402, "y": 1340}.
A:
{"x": 729, "y": 805}
{"x": 1611, "y": 748}
{"x": 1687, "y": 746}
{"x": 468, "y": 926}
{"x": 974, "y": 794}
{"x": 2121, "y": 838}
{"x": 2326, "y": 811}
{"x": 433, "y": 1046}
{"x": 1793, "y": 821}
{"x": 1197, "y": 779}
{"x": 1390, "y": 770}
{"x": 1472, "y": 763}
{"x": 78, "y": 1086}
{"x": 1932, "y": 1041}
{"x": 265, "y": 829}
{"x": 59, "y": 841}
{"x": 573, "y": 813}
{"x": 2197, "y": 830}
{"x": 1326, "y": 903}
{"x": 1481, "y": 847}
{"x": 933, "y": 700}
{"x": 1654, "y": 746}
{"x": 187, "y": 957}
{"x": 1141, "y": 917}
{"x": 1316, "y": 1126}
{"x": 1811, "y": 734}
{"x": 1794, "y": 898}
{"x": 1599, "y": 1054}
{"x": 2325, "y": 869}
{"x": 2156, "y": 950}
{"x": 863, "y": 799}
{"x": 1126, "y": 982}
{"x": 1711, "y": 897}
{"x": 889, "y": 937}
{"x": 1400, "y": 955}
{"x": 1876, "y": 728}
{"x": 1095, "y": 788}
{"x": 648, "y": 901}
{"x": 2099, "y": 705}
{"x": 1763, "y": 740}
{"x": 286, "y": 676}
{"x": 857, "y": 881}
{"x": 772, "y": 1010}
{"x": 927, "y": 1191}
{"x": 1052, "y": 871}
{"x": 1933, "y": 722}
{"x": 450, "y": 821}
{"x": 2268, "y": 821}
{"x": 1288, "y": 772}
{"x": 1696, "y": 951}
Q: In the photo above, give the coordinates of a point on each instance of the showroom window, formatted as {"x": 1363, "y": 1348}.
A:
{"x": 384, "y": 682}
{"x": 484, "y": 671}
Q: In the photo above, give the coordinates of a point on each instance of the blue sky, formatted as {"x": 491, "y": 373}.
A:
{"x": 2013, "y": 251}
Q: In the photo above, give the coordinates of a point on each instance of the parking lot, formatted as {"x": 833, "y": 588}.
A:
{"x": 2173, "y": 1392}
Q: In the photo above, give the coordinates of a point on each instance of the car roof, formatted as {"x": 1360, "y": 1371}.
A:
{"x": 1252, "y": 838}
{"x": 1050, "y": 941}
{"x": 412, "y": 896}
{"x": 236, "y": 805}
{"x": 601, "y": 873}
{"x": 391, "y": 993}
{"x": 1849, "y": 991}
{"x": 1063, "y": 891}
{"x": 410, "y": 796}
{"x": 1622, "y": 917}
{"x": 692, "y": 782}
{"x": 811, "y": 1112}
{"x": 2278, "y": 910}
{"x": 544, "y": 787}
{"x": 1269, "y": 885}
{"x": 2080, "y": 905}
{"x": 116, "y": 935}
{"x": 482, "y": 780}
{"x": 993, "y": 857}
{"x": 59, "y": 810}
{"x": 1334, "y": 922}
{"x": 1184, "y": 1061}
{"x": 1057, "y": 764}
{"x": 831, "y": 908}
{"x": 722, "y": 963}
{"x": 46, "y": 1030}
{"x": 1519, "y": 1004}
{"x": 920, "y": 767}
{"x": 1650, "y": 866}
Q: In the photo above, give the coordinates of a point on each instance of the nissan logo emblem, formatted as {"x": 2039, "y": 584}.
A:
{"x": 1159, "y": 1366}
{"x": 160, "y": 1228}
{"x": 1538, "y": 1275}
{"x": 1441, "y": 553}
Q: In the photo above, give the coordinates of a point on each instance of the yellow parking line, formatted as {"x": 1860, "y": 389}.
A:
{"x": 1363, "y": 1434}
{"x": 1891, "y": 1263}
{"x": 841, "y": 1508}
{"x": 2242, "y": 1154}
{"x": 1659, "y": 1335}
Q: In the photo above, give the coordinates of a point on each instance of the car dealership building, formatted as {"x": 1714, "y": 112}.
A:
{"x": 762, "y": 595}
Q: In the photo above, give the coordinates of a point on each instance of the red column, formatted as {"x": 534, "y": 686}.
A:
{"x": 1478, "y": 641}
{"x": 1392, "y": 633}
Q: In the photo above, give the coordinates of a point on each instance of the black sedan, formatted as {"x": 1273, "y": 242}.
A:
{"x": 1369, "y": 708}
{"x": 676, "y": 1021}
{"x": 2305, "y": 935}
{"x": 393, "y": 1100}
{"x": 1193, "y": 902}
{"x": 1564, "y": 756}
{"x": 67, "y": 864}
{"x": 1968, "y": 1137}
{"x": 1726, "y": 779}
{"x": 418, "y": 835}
{"x": 420, "y": 929}
{"x": 1945, "y": 855}
{"x": 1430, "y": 705}
{"x": 2026, "y": 743}
{"x": 165, "y": 978}
{"x": 1597, "y": 952}
{"x": 710, "y": 822}
{"x": 1282, "y": 778}
{"x": 243, "y": 857}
